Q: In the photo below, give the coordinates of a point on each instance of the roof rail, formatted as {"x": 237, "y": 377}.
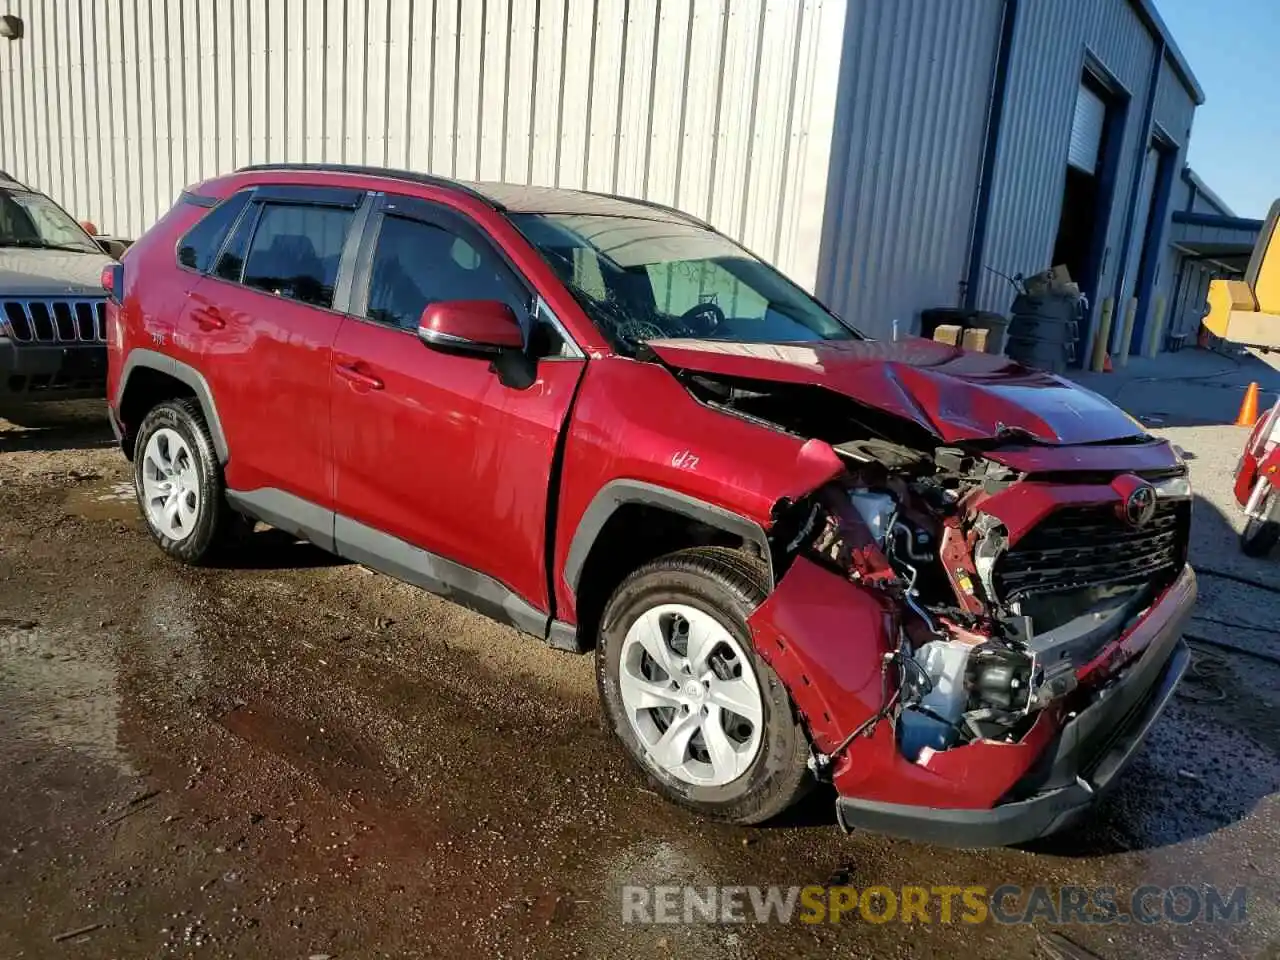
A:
{"x": 653, "y": 205}
{"x": 388, "y": 172}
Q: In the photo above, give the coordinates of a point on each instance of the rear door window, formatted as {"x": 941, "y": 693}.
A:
{"x": 200, "y": 246}
{"x": 296, "y": 251}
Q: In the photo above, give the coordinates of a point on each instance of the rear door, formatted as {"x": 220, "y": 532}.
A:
{"x": 442, "y": 470}
{"x": 264, "y": 320}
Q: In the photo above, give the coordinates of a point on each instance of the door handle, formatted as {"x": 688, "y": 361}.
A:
{"x": 208, "y": 318}
{"x": 357, "y": 377}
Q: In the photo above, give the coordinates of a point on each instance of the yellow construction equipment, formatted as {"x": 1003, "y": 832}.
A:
{"x": 1248, "y": 311}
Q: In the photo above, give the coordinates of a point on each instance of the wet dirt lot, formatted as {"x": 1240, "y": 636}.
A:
{"x": 297, "y": 758}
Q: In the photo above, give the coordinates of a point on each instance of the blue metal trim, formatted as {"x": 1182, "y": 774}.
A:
{"x": 1144, "y": 144}
{"x": 982, "y": 206}
{"x": 1147, "y": 13}
{"x": 1194, "y": 219}
{"x": 1165, "y": 173}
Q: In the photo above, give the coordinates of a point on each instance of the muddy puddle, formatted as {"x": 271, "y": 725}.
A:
{"x": 58, "y": 690}
{"x": 109, "y": 499}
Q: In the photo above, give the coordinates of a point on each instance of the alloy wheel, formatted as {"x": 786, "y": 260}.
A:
{"x": 691, "y": 695}
{"x": 170, "y": 484}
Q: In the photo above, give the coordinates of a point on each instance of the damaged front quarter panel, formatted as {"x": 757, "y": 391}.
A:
{"x": 827, "y": 639}
{"x": 882, "y": 629}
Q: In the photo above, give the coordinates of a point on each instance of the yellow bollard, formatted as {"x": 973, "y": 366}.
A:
{"x": 1126, "y": 333}
{"x": 1155, "y": 329}
{"x": 1099, "y": 357}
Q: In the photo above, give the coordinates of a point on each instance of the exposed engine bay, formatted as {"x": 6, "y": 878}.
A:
{"x": 990, "y": 632}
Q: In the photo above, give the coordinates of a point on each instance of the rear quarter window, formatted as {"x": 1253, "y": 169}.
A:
{"x": 198, "y": 248}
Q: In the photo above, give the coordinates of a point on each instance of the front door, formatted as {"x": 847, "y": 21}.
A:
{"x": 443, "y": 472}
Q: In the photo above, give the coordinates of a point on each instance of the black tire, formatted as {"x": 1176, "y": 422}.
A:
{"x": 1259, "y": 537}
{"x": 217, "y": 526}
{"x": 728, "y": 585}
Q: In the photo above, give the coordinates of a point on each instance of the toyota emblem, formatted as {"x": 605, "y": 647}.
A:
{"x": 1140, "y": 505}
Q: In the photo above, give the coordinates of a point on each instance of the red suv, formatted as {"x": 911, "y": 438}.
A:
{"x": 951, "y": 586}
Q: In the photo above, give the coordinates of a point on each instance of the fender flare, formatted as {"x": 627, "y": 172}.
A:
{"x": 618, "y": 493}
{"x": 142, "y": 358}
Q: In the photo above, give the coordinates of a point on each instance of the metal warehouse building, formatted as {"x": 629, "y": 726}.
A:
{"x": 892, "y": 155}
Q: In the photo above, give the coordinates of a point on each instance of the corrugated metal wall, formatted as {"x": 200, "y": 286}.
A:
{"x": 1052, "y": 41}
{"x": 1174, "y": 113}
{"x": 915, "y": 89}
{"x": 721, "y": 107}
{"x": 1048, "y": 61}
{"x": 1203, "y": 204}
{"x": 1187, "y": 301}
{"x": 1175, "y": 109}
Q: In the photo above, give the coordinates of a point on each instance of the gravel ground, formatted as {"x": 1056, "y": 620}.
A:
{"x": 298, "y": 758}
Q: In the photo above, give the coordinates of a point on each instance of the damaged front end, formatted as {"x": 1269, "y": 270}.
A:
{"x": 945, "y": 614}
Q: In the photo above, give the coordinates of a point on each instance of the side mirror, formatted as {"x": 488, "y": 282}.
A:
{"x": 112, "y": 247}
{"x": 475, "y": 326}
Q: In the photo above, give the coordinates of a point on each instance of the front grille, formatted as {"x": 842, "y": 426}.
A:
{"x": 1090, "y": 547}
{"x": 55, "y": 321}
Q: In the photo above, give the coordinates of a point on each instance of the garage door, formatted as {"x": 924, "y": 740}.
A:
{"x": 1086, "y": 130}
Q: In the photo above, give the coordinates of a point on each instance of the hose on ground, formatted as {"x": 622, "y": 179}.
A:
{"x": 1234, "y": 648}
{"x": 1204, "y": 681}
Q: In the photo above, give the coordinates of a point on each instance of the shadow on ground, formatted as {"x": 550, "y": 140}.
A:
{"x": 270, "y": 549}
{"x": 1189, "y": 388}
{"x": 53, "y": 427}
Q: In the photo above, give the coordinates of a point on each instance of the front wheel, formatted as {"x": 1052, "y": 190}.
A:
{"x": 704, "y": 718}
{"x": 1259, "y": 537}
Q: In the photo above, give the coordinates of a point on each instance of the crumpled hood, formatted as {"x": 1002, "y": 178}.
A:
{"x": 955, "y": 394}
{"x": 27, "y": 272}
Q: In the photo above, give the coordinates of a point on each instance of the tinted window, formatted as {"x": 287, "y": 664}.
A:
{"x": 33, "y": 220}
{"x": 230, "y": 263}
{"x": 416, "y": 264}
{"x": 202, "y": 242}
{"x": 296, "y": 250}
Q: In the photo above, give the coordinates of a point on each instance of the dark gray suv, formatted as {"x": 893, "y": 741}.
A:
{"x": 52, "y": 305}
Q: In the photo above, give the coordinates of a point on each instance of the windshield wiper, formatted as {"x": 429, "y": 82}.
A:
{"x": 43, "y": 245}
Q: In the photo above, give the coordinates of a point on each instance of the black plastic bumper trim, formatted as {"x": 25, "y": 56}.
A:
{"x": 31, "y": 371}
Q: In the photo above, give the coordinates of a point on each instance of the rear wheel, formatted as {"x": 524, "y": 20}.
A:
{"x": 179, "y": 486}
{"x": 704, "y": 718}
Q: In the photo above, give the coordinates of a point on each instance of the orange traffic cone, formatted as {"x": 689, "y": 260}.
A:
{"x": 1248, "y": 415}
{"x": 1106, "y": 363}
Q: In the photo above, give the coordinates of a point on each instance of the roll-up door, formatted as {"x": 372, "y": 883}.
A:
{"x": 1086, "y": 130}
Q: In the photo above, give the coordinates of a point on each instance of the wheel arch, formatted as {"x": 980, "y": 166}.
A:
{"x": 149, "y": 377}
{"x": 630, "y": 523}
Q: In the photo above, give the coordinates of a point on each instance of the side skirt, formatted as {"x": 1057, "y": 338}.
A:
{"x": 286, "y": 512}
{"x": 470, "y": 588}
{"x": 361, "y": 543}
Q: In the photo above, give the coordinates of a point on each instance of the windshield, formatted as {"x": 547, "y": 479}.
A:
{"x": 33, "y": 220}
{"x": 642, "y": 279}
